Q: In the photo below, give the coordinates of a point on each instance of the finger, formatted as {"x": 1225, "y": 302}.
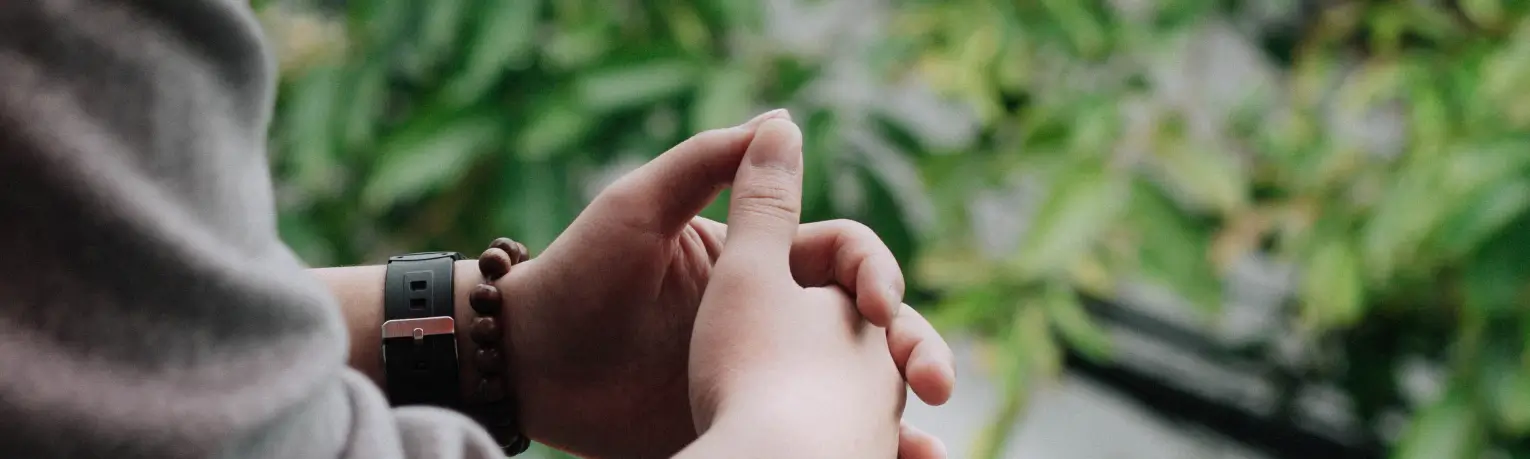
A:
{"x": 663, "y": 195}
{"x": 923, "y": 356}
{"x": 917, "y": 444}
{"x": 712, "y": 234}
{"x": 851, "y": 255}
{"x": 767, "y": 197}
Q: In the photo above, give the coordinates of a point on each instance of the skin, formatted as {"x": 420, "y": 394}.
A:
{"x": 600, "y": 325}
{"x": 766, "y": 350}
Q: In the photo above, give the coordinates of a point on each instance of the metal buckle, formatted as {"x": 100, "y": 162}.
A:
{"x": 419, "y": 328}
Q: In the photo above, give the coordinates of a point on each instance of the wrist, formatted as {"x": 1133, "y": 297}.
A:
{"x": 814, "y": 406}
{"x": 767, "y": 425}
{"x": 465, "y": 275}
{"x": 525, "y": 353}
{"x": 513, "y": 351}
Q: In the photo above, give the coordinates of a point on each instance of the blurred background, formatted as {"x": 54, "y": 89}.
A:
{"x": 1153, "y": 228}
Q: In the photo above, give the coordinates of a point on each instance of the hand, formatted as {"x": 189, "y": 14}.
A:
{"x": 600, "y": 322}
{"x": 798, "y": 363}
{"x": 778, "y": 370}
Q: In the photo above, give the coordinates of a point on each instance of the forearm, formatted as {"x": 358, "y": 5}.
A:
{"x": 359, "y": 291}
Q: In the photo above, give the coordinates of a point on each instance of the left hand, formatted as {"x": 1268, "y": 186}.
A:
{"x": 600, "y": 322}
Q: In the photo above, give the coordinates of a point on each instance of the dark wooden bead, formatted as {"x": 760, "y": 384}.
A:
{"x": 485, "y": 331}
{"x": 490, "y": 362}
{"x": 498, "y": 414}
{"x": 486, "y": 300}
{"x": 490, "y": 389}
{"x": 517, "y": 251}
{"x": 494, "y": 263}
{"x": 520, "y": 253}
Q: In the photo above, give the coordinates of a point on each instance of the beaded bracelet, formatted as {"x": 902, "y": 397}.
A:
{"x": 495, "y": 404}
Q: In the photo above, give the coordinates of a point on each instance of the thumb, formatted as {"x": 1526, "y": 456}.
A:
{"x": 767, "y": 198}
{"x": 663, "y": 195}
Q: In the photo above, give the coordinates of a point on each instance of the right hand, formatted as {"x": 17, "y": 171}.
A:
{"x": 800, "y": 363}
{"x": 599, "y": 325}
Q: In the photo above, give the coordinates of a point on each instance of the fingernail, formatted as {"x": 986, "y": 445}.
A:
{"x": 779, "y": 148}
{"x": 940, "y": 449}
{"x": 755, "y": 122}
{"x": 895, "y": 295}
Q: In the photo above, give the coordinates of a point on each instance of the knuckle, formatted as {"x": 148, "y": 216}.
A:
{"x": 784, "y": 171}
{"x": 765, "y": 207}
{"x": 853, "y": 230}
{"x": 772, "y": 200}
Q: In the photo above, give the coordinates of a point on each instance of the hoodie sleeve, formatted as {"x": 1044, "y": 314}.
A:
{"x": 148, "y": 308}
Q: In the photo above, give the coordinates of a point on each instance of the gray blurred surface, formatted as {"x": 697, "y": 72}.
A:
{"x": 1072, "y": 418}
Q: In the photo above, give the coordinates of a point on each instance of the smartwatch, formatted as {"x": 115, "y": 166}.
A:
{"x": 418, "y": 334}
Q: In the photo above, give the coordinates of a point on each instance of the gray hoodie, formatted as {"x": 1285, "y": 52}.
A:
{"x": 147, "y": 307}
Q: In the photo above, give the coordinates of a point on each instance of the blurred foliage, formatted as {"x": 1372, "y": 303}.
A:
{"x": 438, "y": 125}
{"x": 1146, "y": 173}
{"x": 403, "y": 125}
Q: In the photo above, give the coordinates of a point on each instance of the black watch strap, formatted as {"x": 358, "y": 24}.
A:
{"x": 419, "y": 335}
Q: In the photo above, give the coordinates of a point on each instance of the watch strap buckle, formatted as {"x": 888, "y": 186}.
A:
{"x": 419, "y": 328}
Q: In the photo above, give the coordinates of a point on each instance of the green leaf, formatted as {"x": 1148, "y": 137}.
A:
{"x": 577, "y": 47}
{"x": 1087, "y": 35}
{"x": 821, "y": 147}
{"x": 504, "y": 34}
{"x": 723, "y": 99}
{"x": 1449, "y": 429}
{"x": 310, "y": 104}
{"x": 1486, "y": 13}
{"x": 687, "y": 28}
{"x": 1332, "y": 290}
{"x": 627, "y": 86}
{"x": 1027, "y": 354}
{"x": 540, "y": 204}
{"x": 304, "y": 237}
{"x": 983, "y": 308}
{"x": 1430, "y": 121}
{"x": 1427, "y": 191}
{"x": 1409, "y": 210}
{"x": 424, "y": 156}
{"x": 378, "y": 24}
{"x": 366, "y": 91}
{"x": 1172, "y": 250}
{"x": 307, "y": 131}
{"x": 440, "y": 24}
{"x": 1073, "y": 324}
{"x": 1081, "y": 206}
{"x": 1506, "y": 380}
{"x": 735, "y": 15}
{"x": 886, "y": 212}
{"x": 1482, "y": 215}
{"x": 555, "y": 127}
{"x": 1210, "y": 179}
{"x": 1475, "y": 165}
{"x": 1494, "y": 280}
